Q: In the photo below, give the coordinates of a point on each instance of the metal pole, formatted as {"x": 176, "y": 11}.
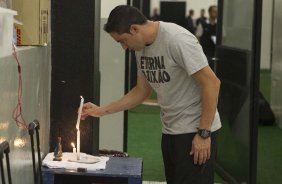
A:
{"x": 39, "y": 154}
{"x": 2, "y": 171}
{"x": 8, "y": 166}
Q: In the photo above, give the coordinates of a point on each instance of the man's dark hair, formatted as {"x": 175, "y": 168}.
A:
{"x": 211, "y": 7}
{"x": 191, "y": 12}
{"x": 122, "y": 17}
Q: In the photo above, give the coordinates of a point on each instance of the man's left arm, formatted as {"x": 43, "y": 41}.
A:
{"x": 210, "y": 85}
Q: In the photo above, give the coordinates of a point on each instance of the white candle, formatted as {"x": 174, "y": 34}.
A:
{"x": 78, "y": 144}
{"x": 73, "y": 148}
{"x": 77, "y": 127}
{"x": 79, "y": 112}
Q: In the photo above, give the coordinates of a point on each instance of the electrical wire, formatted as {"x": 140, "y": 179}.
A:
{"x": 17, "y": 113}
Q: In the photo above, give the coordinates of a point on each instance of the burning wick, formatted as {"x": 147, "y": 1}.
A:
{"x": 73, "y": 147}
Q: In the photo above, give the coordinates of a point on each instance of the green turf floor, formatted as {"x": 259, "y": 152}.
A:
{"x": 144, "y": 136}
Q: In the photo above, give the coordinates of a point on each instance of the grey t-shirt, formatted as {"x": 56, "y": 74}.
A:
{"x": 168, "y": 64}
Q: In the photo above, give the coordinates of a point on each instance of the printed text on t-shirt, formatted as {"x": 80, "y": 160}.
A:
{"x": 154, "y": 69}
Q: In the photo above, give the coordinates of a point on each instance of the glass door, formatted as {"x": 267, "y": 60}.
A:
{"x": 276, "y": 69}
{"x": 237, "y": 66}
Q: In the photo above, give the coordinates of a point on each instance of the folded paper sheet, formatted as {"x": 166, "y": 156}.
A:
{"x": 71, "y": 165}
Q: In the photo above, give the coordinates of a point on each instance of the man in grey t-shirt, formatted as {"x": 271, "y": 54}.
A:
{"x": 170, "y": 61}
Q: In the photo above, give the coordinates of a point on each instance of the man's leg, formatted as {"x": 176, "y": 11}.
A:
{"x": 167, "y": 159}
{"x": 179, "y": 165}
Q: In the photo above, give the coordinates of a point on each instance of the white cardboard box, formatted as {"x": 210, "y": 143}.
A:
{"x": 6, "y": 31}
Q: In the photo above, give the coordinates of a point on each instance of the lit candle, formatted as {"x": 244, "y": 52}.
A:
{"x": 79, "y": 112}
{"x": 78, "y": 144}
{"x": 73, "y": 148}
{"x": 77, "y": 127}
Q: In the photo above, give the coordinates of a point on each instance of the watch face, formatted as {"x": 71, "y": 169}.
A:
{"x": 204, "y": 133}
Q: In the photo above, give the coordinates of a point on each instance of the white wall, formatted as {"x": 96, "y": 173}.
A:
{"x": 112, "y": 68}
{"x": 197, "y": 5}
{"x": 266, "y": 33}
{"x": 108, "y": 5}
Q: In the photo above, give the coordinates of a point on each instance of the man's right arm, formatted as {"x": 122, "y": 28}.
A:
{"x": 137, "y": 95}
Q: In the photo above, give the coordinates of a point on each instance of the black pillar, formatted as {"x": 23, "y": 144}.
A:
{"x": 75, "y": 71}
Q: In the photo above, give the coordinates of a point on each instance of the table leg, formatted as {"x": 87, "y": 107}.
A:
{"x": 134, "y": 181}
{"x": 48, "y": 178}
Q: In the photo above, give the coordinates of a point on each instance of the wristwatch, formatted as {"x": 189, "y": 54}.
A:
{"x": 204, "y": 133}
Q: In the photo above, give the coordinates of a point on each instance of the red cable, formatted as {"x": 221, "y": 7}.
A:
{"x": 17, "y": 113}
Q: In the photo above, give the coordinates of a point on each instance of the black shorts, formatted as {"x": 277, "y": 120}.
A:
{"x": 179, "y": 164}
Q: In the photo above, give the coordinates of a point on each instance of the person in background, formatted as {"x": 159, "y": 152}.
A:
{"x": 171, "y": 62}
{"x": 206, "y": 33}
{"x": 189, "y": 23}
{"x": 202, "y": 17}
{"x": 156, "y": 15}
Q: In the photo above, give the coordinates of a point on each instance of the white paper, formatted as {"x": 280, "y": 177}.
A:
{"x": 66, "y": 164}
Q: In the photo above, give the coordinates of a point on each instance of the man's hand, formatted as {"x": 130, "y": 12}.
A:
{"x": 201, "y": 149}
{"x": 90, "y": 109}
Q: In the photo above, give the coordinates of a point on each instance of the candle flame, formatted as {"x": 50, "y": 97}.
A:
{"x": 72, "y": 144}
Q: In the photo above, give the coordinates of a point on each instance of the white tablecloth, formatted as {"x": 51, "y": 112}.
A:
{"x": 66, "y": 164}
